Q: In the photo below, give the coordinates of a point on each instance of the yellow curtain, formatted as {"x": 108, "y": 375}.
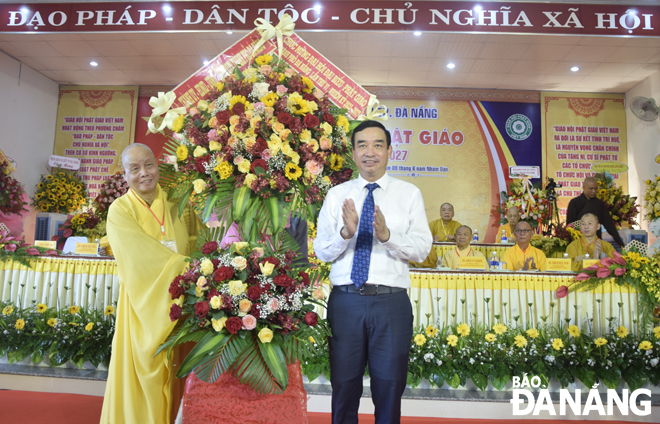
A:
{"x": 60, "y": 282}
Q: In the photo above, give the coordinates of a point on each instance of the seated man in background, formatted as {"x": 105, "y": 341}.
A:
{"x": 513, "y": 216}
{"x": 523, "y": 256}
{"x": 588, "y": 243}
{"x": 452, "y": 257}
{"x": 443, "y": 229}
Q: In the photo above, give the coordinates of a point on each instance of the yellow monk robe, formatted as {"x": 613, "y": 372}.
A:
{"x": 431, "y": 260}
{"x": 509, "y": 233}
{"x": 139, "y": 386}
{"x": 442, "y": 231}
{"x": 452, "y": 257}
{"x": 515, "y": 258}
{"x": 580, "y": 247}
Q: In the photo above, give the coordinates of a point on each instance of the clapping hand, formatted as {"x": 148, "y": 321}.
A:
{"x": 350, "y": 217}
{"x": 380, "y": 227}
{"x": 598, "y": 248}
{"x": 529, "y": 264}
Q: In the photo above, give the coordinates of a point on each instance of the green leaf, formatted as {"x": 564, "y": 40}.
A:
{"x": 210, "y": 205}
{"x": 16, "y": 355}
{"x": 253, "y": 370}
{"x": 209, "y": 345}
{"x": 183, "y": 201}
{"x": 312, "y": 211}
{"x": 634, "y": 377}
{"x": 274, "y": 357}
{"x": 500, "y": 381}
{"x": 480, "y": 381}
{"x": 241, "y": 202}
{"x": 276, "y": 211}
{"x": 37, "y": 356}
{"x": 217, "y": 363}
{"x": 454, "y": 382}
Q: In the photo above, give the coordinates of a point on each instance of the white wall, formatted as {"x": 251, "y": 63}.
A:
{"x": 643, "y": 142}
{"x": 28, "y": 113}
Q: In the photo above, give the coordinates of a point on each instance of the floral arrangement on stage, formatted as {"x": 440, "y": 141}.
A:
{"x": 630, "y": 269}
{"x": 60, "y": 192}
{"x": 84, "y": 224}
{"x": 530, "y": 199}
{"x": 652, "y": 199}
{"x": 622, "y": 207}
{"x": 249, "y": 312}
{"x": 311, "y": 255}
{"x": 113, "y": 188}
{"x": 555, "y": 243}
{"x": 40, "y": 332}
{"x": 16, "y": 249}
{"x": 263, "y": 135}
{"x": 11, "y": 191}
{"x": 453, "y": 354}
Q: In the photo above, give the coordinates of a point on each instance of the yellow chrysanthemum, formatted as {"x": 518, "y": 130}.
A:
{"x": 532, "y": 333}
{"x": 645, "y": 345}
{"x": 490, "y": 337}
{"x": 264, "y": 59}
{"x": 622, "y": 331}
{"x": 309, "y": 85}
{"x": 178, "y": 124}
{"x": 499, "y": 328}
{"x": 342, "y": 121}
{"x": 52, "y": 322}
{"x": 182, "y": 152}
{"x": 8, "y": 310}
{"x": 311, "y": 339}
{"x": 292, "y": 171}
{"x": 574, "y": 331}
{"x": 20, "y": 324}
{"x": 269, "y": 99}
{"x": 225, "y": 169}
{"x": 656, "y": 331}
{"x": 336, "y": 162}
{"x": 41, "y": 308}
{"x": 89, "y": 326}
{"x": 220, "y": 86}
{"x": 452, "y": 340}
{"x": 431, "y": 331}
{"x": 557, "y": 344}
{"x": 463, "y": 330}
{"x": 420, "y": 340}
{"x": 520, "y": 340}
{"x": 109, "y": 310}
{"x": 74, "y": 309}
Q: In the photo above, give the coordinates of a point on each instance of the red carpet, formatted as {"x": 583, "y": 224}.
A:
{"x": 60, "y": 408}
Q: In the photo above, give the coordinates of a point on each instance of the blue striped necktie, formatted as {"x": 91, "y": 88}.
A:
{"x": 362, "y": 256}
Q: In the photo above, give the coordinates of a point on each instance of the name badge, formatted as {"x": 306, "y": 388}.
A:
{"x": 86, "y": 249}
{"x": 588, "y": 262}
{"x": 472, "y": 262}
{"x": 558, "y": 265}
{"x": 48, "y": 244}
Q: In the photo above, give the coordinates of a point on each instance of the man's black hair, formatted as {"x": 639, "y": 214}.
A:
{"x": 370, "y": 124}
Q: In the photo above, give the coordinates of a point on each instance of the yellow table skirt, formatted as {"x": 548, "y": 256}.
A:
{"x": 444, "y": 297}
{"x": 60, "y": 282}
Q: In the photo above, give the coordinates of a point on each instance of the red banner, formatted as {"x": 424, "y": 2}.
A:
{"x": 341, "y": 89}
{"x": 439, "y": 16}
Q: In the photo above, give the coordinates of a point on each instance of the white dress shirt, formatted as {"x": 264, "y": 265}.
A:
{"x": 410, "y": 239}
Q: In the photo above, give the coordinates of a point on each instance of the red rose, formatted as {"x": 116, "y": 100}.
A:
{"x": 311, "y": 121}
{"x": 175, "y": 312}
{"x": 200, "y": 162}
{"x": 255, "y": 311}
{"x": 238, "y": 109}
{"x": 284, "y": 118}
{"x": 272, "y": 260}
{"x": 259, "y": 163}
{"x": 311, "y": 319}
{"x": 175, "y": 288}
{"x": 209, "y": 247}
{"x": 222, "y": 274}
{"x": 283, "y": 280}
{"x": 212, "y": 293}
{"x": 233, "y": 324}
{"x": 259, "y": 147}
{"x": 253, "y": 293}
{"x": 223, "y": 117}
{"x": 201, "y": 309}
{"x": 327, "y": 117}
{"x": 305, "y": 278}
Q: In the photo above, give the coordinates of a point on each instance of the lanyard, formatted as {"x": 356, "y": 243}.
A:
{"x": 523, "y": 252}
{"x": 587, "y": 245}
{"x": 160, "y": 222}
{"x": 459, "y": 255}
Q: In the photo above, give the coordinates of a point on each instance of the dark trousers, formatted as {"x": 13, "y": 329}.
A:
{"x": 369, "y": 329}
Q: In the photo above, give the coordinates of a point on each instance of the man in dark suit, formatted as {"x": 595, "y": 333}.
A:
{"x": 586, "y": 203}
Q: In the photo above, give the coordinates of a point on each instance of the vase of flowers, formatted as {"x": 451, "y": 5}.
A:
{"x": 113, "y": 188}
{"x": 622, "y": 207}
{"x": 84, "y": 224}
{"x": 652, "y": 199}
{"x": 11, "y": 191}
{"x": 60, "y": 192}
{"x": 530, "y": 199}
